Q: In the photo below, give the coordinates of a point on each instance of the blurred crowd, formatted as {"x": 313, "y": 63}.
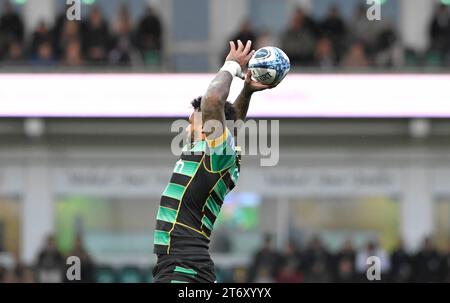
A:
{"x": 333, "y": 41}
{"x": 49, "y": 267}
{"x": 90, "y": 42}
{"x": 313, "y": 264}
{"x": 316, "y": 264}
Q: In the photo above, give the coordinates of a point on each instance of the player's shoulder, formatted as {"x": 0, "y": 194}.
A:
{"x": 221, "y": 152}
{"x": 226, "y": 138}
{"x": 223, "y": 145}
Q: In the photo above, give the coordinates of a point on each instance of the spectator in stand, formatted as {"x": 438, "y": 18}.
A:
{"x": 308, "y": 22}
{"x": 239, "y": 275}
{"x": 364, "y": 30}
{"x": 22, "y": 273}
{"x": 265, "y": 261}
{"x": 401, "y": 262}
{"x": 290, "y": 265}
{"x": 334, "y": 29}
{"x": 264, "y": 275}
{"x": 2, "y": 273}
{"x": 386, "y": 38}
{"x": 149, "y": 37}
{"x": 40, "y": 36}
{"x": 292, "y": 256}
{"x": 11, "y": 28}
{"x": 15, "y": 56}
{"x": 317, "y": 262}
{"x": 299, "y": 40}
{"x": 387, "y": 47}
{"x": 71, "y": 31}
{"x": 222, "y": 242}
{"x": 356, "y": 57}
{"x": 6, "y": 259}
{"x": 244, "y": 33}
{"x": 72, "y": 54}
{"x": 57, "y": 30}
{"x": 289, "y": 274}
{"x": 65, "y": 31}
{"x": 28, "y": 276}
{"x": 439, "y": 30}
{"x": 97, "y": 37}
{"x": 50, "y": 263}
{"x": 15, "y": 272}
{"x": 324, "y": 56}
{"x": 44, "y": 56}
{"x": 87, "y": 265}
{"x": 446, "y": 264}
{"x": 265, "y": 38}
{"x": 344, "y": 263}
{"x": 308, "y": 42}
{"x": 10, "y": 277}
{"x": 427, "y": 263}
{"x": 122, "y": 52}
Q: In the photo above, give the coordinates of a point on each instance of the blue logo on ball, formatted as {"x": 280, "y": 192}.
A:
{"x": 262, "y": 53}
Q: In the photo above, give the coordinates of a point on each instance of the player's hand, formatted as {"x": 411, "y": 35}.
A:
{"x": 240, "y": 54}
{"x": 251, "y": 86}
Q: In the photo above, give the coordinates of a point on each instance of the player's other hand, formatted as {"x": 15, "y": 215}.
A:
{"x": 240, "y": 53}
{"x": 251, "y": 86}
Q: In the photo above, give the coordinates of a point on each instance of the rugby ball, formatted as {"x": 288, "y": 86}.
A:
{"x": 269, "y": 65}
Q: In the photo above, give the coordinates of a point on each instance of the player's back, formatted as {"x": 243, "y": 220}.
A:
{"x": 192, "y": 200}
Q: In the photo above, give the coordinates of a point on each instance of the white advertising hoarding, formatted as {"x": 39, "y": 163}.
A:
{"x": 169, "y": 95}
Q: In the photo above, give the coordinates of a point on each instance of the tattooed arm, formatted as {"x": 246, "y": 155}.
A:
{"x": 243, "y": 100}
{"x": 212, "y": 106}
{"x": 213, "y": 103}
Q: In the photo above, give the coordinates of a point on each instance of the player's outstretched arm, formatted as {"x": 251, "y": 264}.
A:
{"x": 213, "y": 103}
{"x": 243, "y": 100}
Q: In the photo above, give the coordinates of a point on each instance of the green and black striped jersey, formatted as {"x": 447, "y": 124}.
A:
{"x": 192, "y": 200}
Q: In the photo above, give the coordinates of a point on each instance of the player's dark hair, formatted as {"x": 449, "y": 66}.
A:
{"x": 230, "y": 111}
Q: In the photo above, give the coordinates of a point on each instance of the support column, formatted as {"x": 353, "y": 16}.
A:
{"x": 417, "y": 207}
{"x": 37, "y": 207}
{"x": 36, "y": 11}
{"x": 226, "y": 16}
{"x": 282, "y": 223}
{"x": 415, "y": 20}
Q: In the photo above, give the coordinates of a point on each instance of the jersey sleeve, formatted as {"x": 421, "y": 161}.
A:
{"x": 221, "y": 152}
